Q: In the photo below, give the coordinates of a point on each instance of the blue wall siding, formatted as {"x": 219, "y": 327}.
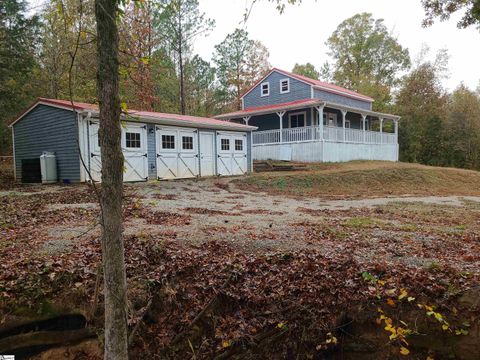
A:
{"x": 339, "y": 99}
{"x": 298, "y": 91}
{"x": 47, "y": 128}
{"x": 271, "y": 121}
{"x": 152, "y": 152}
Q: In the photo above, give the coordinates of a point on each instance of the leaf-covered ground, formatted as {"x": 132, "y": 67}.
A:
{"x": 218, "y": 271}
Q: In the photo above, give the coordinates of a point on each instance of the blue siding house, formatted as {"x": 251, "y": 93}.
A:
{"x": 155, "y": 145}
{"x": 307, "y": 120}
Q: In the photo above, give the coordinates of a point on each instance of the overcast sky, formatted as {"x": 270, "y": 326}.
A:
{"x": 300, "y": 33}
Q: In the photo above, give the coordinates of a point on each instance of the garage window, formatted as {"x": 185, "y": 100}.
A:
{"x": 132, "y": 140}
{"x": 168, "y": 141}
{"x": 225, "y": 144}
{"x": 238, "y": 145}
{"x": 187, "y": 142}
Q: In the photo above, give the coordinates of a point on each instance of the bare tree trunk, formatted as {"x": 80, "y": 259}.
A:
{"x": 180, "y": 60}
{"x": 116, "y": 345}
{"x": 182, "y": 86}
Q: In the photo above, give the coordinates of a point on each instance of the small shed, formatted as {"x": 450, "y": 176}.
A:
{"x": 155, "y": 145}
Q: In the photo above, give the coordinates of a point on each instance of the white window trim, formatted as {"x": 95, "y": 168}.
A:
{"x": 297, "y": 113}
{"x": 347, "y": 124}
{"x": 132, "y": 132}
{"x": 174, "y": 142}
{"x": 235, "y": 145}
{"x": 288, "y": 86}
{"x": 268, "y": 88}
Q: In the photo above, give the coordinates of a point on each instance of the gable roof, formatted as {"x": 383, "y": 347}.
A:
{"x": 317, "y": 84}
{"x": 136, "y": 115}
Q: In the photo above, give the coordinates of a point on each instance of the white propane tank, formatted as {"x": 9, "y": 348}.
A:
{"x": 48, "y": 167}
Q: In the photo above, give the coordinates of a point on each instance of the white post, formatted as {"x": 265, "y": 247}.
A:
{"x": 364, "y": 119}
{"x": 344, "y": 115}
{"x": 246, "y": 119}
{"x": 396, "y": 138}
{"x": 320, "y": 119}
{"x": 280, "y": 117}
{"x": 381, "y": 130}
{"x": 396, "y": 131}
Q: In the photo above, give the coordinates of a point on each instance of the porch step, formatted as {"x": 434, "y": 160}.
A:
{"x": 263, "y": 166}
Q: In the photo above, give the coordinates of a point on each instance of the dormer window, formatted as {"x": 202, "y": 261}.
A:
{"x": 265, "y": 88}
{"x": 284, "y": 86}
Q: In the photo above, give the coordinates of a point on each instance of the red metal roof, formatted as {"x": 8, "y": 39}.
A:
{"x": 317, "y": 83}
{"x": 137, "y": 113}
{"x": 291, "y": 104}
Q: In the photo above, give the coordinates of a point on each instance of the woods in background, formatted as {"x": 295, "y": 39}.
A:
{"x": 160, "y": 71}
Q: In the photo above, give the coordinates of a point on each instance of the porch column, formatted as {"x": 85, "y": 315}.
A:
{"x": 364, "y": 119}
{"x": 344, "y": 115}
{"x": 280, "y": 117}
{"x": 320, "y": 119}
{"x": 246, "y": 119}
{"x": 381, "y": 130}
{"x": 396, "y": 130}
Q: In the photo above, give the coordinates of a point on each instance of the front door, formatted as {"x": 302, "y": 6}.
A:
{"x": 207, "y": 160}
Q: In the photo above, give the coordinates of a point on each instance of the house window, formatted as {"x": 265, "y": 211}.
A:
{"x": 238, "y": 145}
{"x": 132, "y": 140}
{"x": 284, "y": 86}
{"x": 297, "y": 120}
{"x": 265, "y": 87}
{"x": 347, "y": 124}
{"x": 187, "y": 142}
{"x": 330, "y": 119}
{"x": 225, "y": 144}
{"x": 168, "y": 141}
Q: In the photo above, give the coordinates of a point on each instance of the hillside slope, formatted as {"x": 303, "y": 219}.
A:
{"x": 365, "y": 179}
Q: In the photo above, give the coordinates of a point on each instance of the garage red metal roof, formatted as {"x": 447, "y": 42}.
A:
{"x": 137, "y": 113}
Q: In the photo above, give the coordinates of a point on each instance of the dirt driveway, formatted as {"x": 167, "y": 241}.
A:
{"x": 192, "y": 211}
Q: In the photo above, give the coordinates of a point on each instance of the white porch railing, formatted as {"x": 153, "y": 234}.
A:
{"x": 312, "y": 133}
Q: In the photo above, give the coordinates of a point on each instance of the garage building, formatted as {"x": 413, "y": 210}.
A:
{"x": 155, "y": 145}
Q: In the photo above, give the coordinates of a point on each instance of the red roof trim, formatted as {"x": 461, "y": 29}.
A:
{"x": 272, "y": 107}
{"x": 315, "y": 83}
{"x": 156, "y": 115}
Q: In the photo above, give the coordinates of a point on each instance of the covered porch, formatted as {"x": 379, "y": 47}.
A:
{"x": 315, "y": 130}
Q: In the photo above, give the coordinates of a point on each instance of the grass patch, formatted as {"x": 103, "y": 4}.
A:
{"x": 363, "y": 222}
{"x": 365, "y": 179}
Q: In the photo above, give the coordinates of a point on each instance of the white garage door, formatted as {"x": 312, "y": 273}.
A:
{"x": 207, "y": 153}
{"x": 134, "y": 147}
{"x": 177, "y": 153}
{"x": 232, "y": 153}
